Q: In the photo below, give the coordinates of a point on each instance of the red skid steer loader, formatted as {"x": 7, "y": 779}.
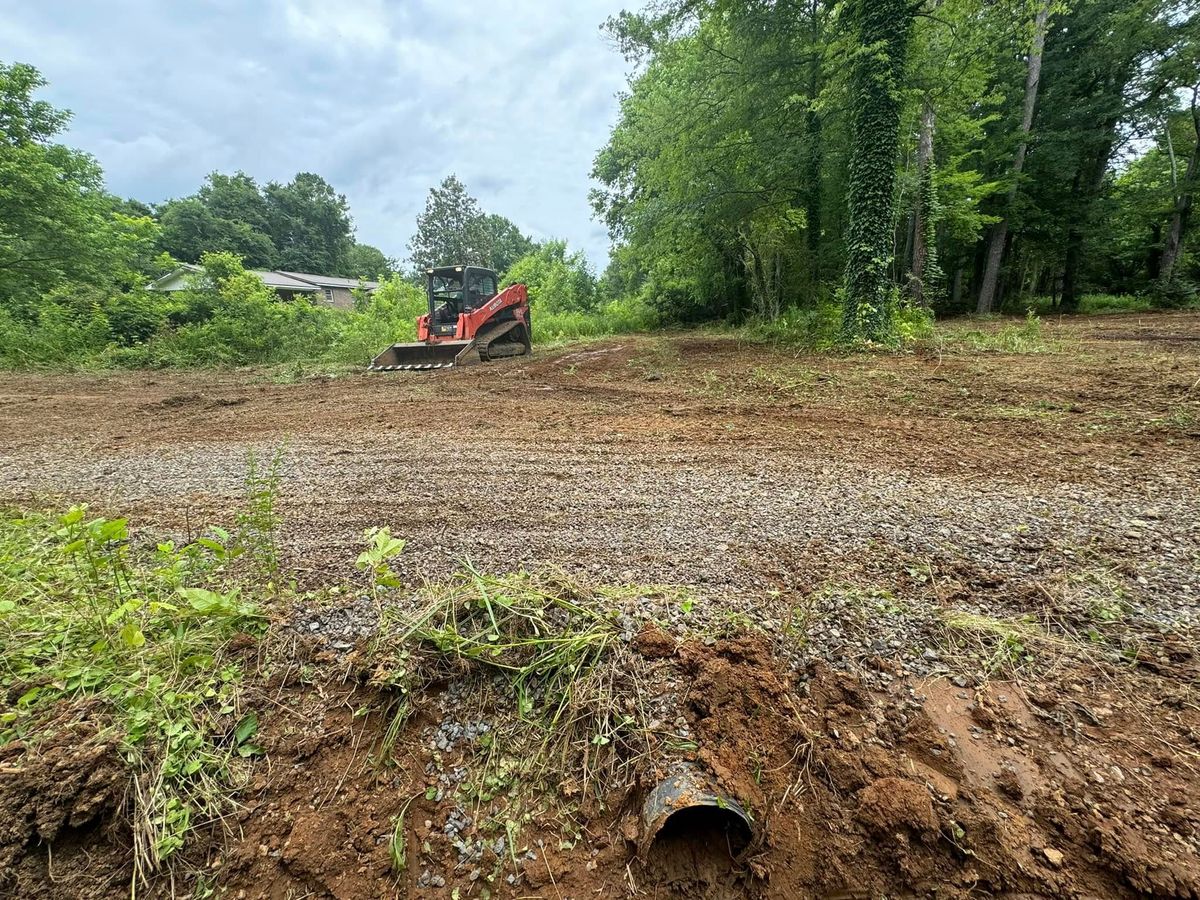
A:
{"x": 469, "y": 319}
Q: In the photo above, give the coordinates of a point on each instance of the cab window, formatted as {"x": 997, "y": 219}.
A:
{"x": 480, "y": 289}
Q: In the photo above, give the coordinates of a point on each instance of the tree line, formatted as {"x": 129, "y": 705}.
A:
{"x": 75, "y": 261}
{"x": 955, "y": 155}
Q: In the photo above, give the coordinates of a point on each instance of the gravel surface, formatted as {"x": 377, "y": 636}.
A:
{"x": 898, "y": 517}
{"x": 578, "y": 462}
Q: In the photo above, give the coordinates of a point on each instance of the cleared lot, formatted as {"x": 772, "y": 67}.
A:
{"x": 885, "y": 524}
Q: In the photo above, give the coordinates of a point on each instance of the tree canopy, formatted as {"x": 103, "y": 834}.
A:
{"x": 780, "y": 153}
{"x": 454, "y": 229}
{"x": 301, "y": 226}
{"x": 58, "y": 225}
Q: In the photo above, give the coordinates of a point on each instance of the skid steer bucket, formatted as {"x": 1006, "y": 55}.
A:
{"x": 424, "y": 356}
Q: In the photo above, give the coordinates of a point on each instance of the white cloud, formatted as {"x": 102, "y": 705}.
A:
{"x": 382, "y": 97}
{"x": 343, "y": 27}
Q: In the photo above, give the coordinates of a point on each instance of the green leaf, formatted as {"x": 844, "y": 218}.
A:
{"x": 204, "y": 601}
{"x": 246, "y": 728}
{"x": 131, "y": 635}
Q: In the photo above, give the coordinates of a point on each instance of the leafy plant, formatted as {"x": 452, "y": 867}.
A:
{"x": 101, "y": 630}
{"x": 375, "y": 560}
{"x": 258, "y": 521}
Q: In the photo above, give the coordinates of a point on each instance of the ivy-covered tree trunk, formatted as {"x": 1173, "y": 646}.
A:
{"x": 814, "y": 151}
{"x": 1033, "y": 77}
{"x": 925, "y": 270}
{"x": 883, "y": 27}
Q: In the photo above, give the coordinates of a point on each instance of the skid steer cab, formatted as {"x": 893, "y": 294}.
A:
{"x": 470, "y": 319}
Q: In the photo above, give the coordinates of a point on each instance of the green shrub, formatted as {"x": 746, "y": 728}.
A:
{"x": 1024, "y": 338}
{"x": 1096, "y": 304}
{"x": 228, "y": 317}
{"x": 624, "y": 316}
{"x": 558, "y": 281}
{"x": 58, "y": 338}
{"x": 388, "y": 316}
{"x": 1178, "y": 294}
{"x": 816, "y": 327}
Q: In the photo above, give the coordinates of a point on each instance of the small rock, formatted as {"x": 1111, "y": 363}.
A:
{"x": 1054, "y": 857}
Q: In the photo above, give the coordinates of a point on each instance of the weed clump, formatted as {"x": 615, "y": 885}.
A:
{"x": 1028, "y": 337}
{"x": 550, "y": 656}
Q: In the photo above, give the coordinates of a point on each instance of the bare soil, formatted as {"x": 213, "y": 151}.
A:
{"x": 832, "y": 517}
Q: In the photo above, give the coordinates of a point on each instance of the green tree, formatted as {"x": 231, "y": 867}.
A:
{"x": 883, "y": 28}
{"x": 235, "y": 198}
{"x": 712, "y": 171}
{"x": 450, "y": 230}
{"x": 454, "y": 229}
{"x": 57, "y": 224}
{"x": 999, "y": 236}
{"x": 505, "y": 242}
{"x": 1183, "y": 188}
{"x": 365, "y": 261}
{"x": 24, "y": 120}
{"x": 309, "y": 223}
{"x": 558, "y": 281}
{"x": 190, "y": 229}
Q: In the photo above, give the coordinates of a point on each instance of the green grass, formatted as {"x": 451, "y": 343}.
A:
{"x": 134, "y": 641}
{"x": 1107, "y": 304}
{"x": 1027, "y": 337}
{"x": 546, "y": 653}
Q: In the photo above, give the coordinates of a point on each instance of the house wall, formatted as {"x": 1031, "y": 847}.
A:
{"x": 343, "y": 298}
{"x": 175, "y": 282}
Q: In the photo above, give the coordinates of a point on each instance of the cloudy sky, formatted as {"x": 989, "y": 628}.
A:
{"x": 381, "y": 97}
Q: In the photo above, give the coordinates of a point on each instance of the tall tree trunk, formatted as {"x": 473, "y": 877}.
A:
{"x": 923, "y": 212}
{"x": 778, "y": 291}
{"x": 814, "y": 162}
{"x": 885, "y": 26}
{"x": 1155, "y": 252}
{"x": 1183, "y": 205}
{"x": 1074, "y": 253}
{"x": 903, "y": 262}
{"x": 991, "y": 274}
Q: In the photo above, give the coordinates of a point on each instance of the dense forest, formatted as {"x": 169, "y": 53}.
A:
{"x": 858, "y": 165}
{"x": 956, "y": 154}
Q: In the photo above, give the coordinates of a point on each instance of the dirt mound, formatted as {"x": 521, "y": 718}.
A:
{"x": 63, "y": 793}
{"x": 895, "y": 804}
{"x": 920, "y": 789}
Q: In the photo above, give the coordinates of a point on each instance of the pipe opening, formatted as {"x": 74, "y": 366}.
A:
{"x": 712, "y": 831}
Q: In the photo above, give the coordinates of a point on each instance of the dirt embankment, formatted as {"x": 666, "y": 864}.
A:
{"x": 922, "y": 790}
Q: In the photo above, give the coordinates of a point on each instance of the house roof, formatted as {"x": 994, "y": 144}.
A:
{"x": 298, "y": 282}
{"x": 331, "y": 281}
{"x": 285, "y": 281}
